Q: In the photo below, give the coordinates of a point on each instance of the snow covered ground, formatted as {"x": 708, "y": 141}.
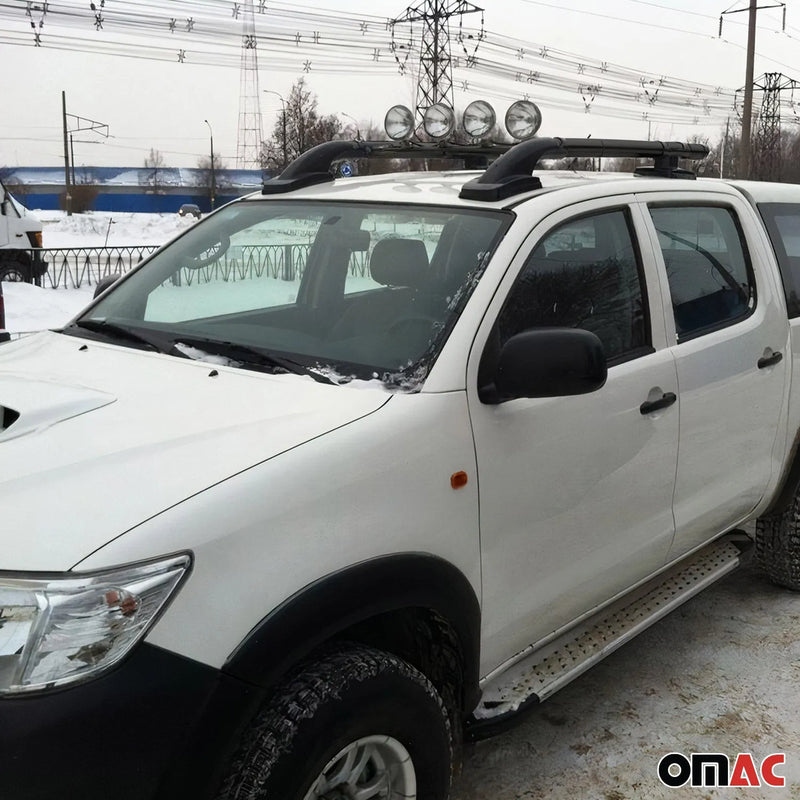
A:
{"x": 719, "y": 675}
{"x": 99, "y": 228}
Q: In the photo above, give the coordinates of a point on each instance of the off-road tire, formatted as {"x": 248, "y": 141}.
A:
{"x": 778, "y": 546}
{"x": 343, "y": 696}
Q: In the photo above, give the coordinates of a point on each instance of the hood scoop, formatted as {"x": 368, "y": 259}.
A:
{"x": 8, "y": 416}
{"x": 28, "y": 405}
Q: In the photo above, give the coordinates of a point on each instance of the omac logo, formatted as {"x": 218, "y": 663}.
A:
{"x": 715, "y": 769}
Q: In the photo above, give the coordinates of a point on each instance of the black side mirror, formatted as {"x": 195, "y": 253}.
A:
{"x": 547, "y": 362}
{"x": 104, "y": 283}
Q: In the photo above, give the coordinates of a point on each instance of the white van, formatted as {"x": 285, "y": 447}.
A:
{"x": 20, "y": 233}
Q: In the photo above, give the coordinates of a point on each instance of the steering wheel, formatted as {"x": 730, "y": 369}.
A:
{"x": 212, "y": 253}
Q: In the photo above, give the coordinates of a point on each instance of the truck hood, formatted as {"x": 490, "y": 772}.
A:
{"x": 96, "y": 438}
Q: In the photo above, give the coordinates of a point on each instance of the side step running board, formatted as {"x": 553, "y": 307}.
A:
{"x": 541, "y": 671}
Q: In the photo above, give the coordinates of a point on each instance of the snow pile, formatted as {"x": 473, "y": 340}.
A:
{"x": 200, "y": 355}
{"x": 116, "y": 229}
{"x": 31, "y": 308}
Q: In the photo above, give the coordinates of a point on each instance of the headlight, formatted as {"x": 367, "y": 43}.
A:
{"x": 438, "y": 121}
{"x": 523, "y": 119}
{"x": 71, "y": 627}
{"x": 479, "y": 119}
{"x": 399, "y": 122}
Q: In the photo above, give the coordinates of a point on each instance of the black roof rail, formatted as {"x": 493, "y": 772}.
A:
{"x": 314, "y": 166}
{"x": 511, "y": 173}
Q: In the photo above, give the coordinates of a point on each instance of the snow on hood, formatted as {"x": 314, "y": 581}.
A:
{"x": 107, "y": 437}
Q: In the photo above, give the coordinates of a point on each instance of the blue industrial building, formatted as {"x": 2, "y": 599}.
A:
{"x": 120, "y": 189}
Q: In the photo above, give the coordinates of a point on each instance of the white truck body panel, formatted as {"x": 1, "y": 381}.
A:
{"x": 294, "y": 519}
{"x": 153, "y": 432}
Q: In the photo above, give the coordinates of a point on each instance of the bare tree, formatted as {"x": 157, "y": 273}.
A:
{"x": 299, "y": 127}
{"x": 211, "y": 177}
{"x": 154, "y": 164}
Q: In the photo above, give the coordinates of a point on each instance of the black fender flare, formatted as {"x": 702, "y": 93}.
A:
{"x": 789, "y": 483}
{"x": 334, "y": 603}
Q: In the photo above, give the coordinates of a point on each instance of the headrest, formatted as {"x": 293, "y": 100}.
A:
{"x": 399, "y": 262}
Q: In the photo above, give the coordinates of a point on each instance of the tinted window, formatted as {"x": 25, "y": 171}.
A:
{"x": 708, "y": 267}
{"x": 783, "y": 224}
{"x": 584, "y": 274}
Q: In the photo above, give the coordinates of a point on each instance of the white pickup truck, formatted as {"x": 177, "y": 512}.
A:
{"x": 20, "y": 241}
{"x": 356, "y": 467}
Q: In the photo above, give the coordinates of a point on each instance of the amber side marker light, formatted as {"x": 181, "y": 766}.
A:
{"x": 458, "y": 480}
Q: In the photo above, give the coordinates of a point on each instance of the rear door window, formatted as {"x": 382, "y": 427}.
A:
{"x": 708, "y": 267}
{"x": 782, "y": 221}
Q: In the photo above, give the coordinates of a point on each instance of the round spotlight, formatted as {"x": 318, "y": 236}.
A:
{"x": 438, "y": 121}
{"x": 479, "y": 119}
{"x": 399, "y": 122}
{"x": 523, "y": 119}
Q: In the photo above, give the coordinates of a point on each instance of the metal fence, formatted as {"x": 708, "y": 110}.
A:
{"x": 74, "y": 267}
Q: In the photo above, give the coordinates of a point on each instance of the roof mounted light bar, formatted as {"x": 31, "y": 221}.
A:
{"x": 511, "y": 173}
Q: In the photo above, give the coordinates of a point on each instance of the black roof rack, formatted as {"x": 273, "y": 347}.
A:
{"x": 509, "y": 174}
{"x": 314, "y": 166}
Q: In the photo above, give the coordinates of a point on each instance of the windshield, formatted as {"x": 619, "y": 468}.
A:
{"x": 341, "y": 290}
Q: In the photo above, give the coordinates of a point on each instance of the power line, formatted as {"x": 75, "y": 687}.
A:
{"x": 307, "y": 39}
{"x": 616, "y": 18}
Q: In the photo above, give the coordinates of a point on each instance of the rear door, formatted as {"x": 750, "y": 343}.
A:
{"x": 729, "y": 330}
{"x": 575, "y": 492}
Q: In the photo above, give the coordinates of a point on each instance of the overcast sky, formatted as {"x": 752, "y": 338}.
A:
{"x": 163, "y": 104}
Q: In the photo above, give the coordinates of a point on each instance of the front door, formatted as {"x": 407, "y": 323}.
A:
{"x": 575, "y": 492}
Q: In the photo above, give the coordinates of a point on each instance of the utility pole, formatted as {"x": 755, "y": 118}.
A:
{"x": 249, "y": 138}
{"x": 80, "y": 124}
{"x": 283, "y": 125}
{"x": 67, "y": 188}
{"x": 213, "y": 173}
{"x": 766, "y": 160}
{"x": 72, "y": 159}
{"x": 435, "y": 80}
{"x": 747, "y": 116}
{"x": 724, "y": 148}
{"x": 747, "y": 111}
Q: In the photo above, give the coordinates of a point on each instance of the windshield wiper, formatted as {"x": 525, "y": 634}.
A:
{"x": 246, "y": 356}
{"x": 113, "y": 330}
